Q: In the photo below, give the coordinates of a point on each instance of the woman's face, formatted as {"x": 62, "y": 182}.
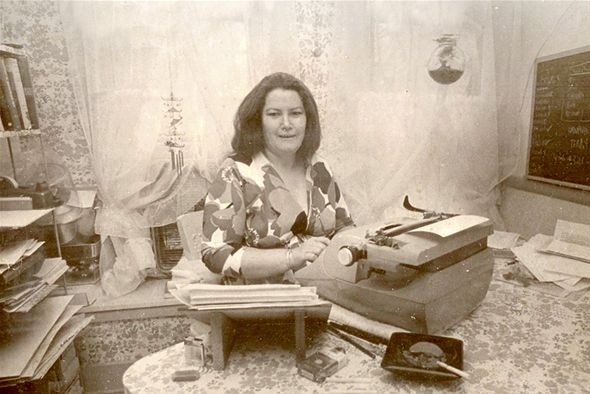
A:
{"x": 283, "y": 122}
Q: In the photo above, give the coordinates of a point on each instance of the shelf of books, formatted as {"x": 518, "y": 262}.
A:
{"x": 38, "y": 323}
{"x": 18, "y": 111}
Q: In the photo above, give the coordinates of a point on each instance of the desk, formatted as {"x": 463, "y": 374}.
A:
{"x": 517, "y": 341}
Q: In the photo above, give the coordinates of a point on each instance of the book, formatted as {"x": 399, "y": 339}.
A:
{"x": 25, "y": 75}
{"x": 18, "y": 91}
{"x": 9, "y": 113}
{"x": 11, "y": 49}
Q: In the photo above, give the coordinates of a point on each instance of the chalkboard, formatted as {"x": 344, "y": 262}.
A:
{"x": 559, "y": 144}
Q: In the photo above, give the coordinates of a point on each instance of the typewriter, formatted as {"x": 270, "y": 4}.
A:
{"x": 422, "y": 275}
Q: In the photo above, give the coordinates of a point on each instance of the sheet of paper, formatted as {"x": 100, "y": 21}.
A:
{"x": 451, "y": 226}
{"x": 503, "y": 240}
{"x": 28, "y": 331}
{"x": 537, "y": 262}
{"x": 567, "y": 249}
{"x": 567, "y": 266}
{"x": 33, "y": 248}
{"x": 21, "y": 218}
{"x": 12, "y": 252}
{"x": 582, "y": 284}
{"x": 51, "y": 270}
{"x": 576, "y": 233}
{"x": 67, "y": 314}
{"x": 255, "y": 305}
{"x": 62, "y": 340}
{"x": 85, "y": 198}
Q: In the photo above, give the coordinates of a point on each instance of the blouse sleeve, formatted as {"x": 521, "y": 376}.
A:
{"x": 333, "y": 214}
{"x": 224, "y": 219}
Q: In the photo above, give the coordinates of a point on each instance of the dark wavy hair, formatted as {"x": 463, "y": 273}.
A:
{"x": 248, "y": 138}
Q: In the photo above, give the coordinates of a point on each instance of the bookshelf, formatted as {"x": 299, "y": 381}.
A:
{"x": 18, "y": 119}
{"x": 37, "y": 328}
{"x": 18, "y": 111}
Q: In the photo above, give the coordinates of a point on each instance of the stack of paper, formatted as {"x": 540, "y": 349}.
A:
{"x": 23, "y": 297}
{"x": 562, "y": 259}
{"x": 14, "y": 251}
{"x": 501, "y": 243}
{"x": 33, "y": 341}
{"x": 211, "y": 297}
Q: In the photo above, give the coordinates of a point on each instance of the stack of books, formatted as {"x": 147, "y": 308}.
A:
{"x": 17, "y": 102}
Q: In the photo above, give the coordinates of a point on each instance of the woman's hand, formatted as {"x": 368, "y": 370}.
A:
{"x": 308, "y": 251}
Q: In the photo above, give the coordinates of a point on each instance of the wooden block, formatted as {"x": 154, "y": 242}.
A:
{"x": 222, "y": 336}
{"x": 299, "y": 316}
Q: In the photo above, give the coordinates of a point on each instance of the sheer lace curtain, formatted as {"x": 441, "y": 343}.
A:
{"x": 402, "y": 132}
{"x": 125, "y": 57}
{"x": 389, "y": 130}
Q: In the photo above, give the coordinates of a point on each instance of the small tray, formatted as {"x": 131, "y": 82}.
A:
{"x": 398, "y": 360}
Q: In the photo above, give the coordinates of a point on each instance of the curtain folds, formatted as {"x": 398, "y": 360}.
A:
{"x": 402, "y": 132}
{"x": 389, "y": 130}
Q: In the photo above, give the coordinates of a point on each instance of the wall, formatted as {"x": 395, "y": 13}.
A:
{"x": 36, "y": 25}
{"x": 524, "y": 31}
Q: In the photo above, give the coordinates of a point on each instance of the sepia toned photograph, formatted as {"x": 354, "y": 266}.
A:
{"x": 294, "y": 196}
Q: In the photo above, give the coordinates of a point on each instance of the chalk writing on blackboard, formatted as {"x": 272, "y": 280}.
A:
{"x": 559, "y": 149}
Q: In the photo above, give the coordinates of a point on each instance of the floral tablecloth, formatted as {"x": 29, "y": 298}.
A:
{"x": 517, "y": 341}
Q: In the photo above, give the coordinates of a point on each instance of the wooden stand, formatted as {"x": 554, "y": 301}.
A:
{"x": 223, "y": 325}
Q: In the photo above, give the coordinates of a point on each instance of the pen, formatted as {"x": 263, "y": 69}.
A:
{"x": 351, "y": 340}
{"x": 356, "y": 333}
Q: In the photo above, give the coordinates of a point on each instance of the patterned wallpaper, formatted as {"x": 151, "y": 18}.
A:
{"x": 36, "y": 25}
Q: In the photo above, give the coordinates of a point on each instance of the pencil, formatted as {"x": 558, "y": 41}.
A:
{"x": 351, "y": 340}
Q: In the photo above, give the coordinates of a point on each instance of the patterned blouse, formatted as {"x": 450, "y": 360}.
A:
{"x": 248, "y": 205}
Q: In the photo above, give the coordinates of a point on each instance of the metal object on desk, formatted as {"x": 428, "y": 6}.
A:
{"x": 82, "y": 255}
{"x": 39, "y": 192}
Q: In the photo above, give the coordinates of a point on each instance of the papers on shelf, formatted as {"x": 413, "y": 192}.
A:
{"x": 14, "y": 251}
{"x": 22, "y": 217}
{"x": 27, "y": 333}
{"x": 211, "y": 297}
{"x": 38, "y": 338}
{"x": 562, "y": 259}
{"x": 23, "y": 297}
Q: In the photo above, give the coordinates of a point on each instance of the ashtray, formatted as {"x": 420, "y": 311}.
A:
{"x": 423, "y": 356}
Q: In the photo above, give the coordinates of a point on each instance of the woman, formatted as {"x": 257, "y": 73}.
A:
{"x": 273, "y": 205}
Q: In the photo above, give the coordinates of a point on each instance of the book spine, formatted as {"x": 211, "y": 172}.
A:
{"x": 25, "y": 75}
{"x": 1, "y": 121}
{"x": 19, "y": 91}
{"x": 13, "y": 122}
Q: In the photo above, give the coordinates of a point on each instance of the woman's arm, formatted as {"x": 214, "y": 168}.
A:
{"x": 263, "y": 263}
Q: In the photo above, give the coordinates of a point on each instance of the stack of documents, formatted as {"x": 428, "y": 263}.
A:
{"x": 214, "y": 297}
{"x": 14, "y": 251}
{"x": 33, "y": 341}
{"x": 24, "y": 296}
{"x": 562, "y": 259}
